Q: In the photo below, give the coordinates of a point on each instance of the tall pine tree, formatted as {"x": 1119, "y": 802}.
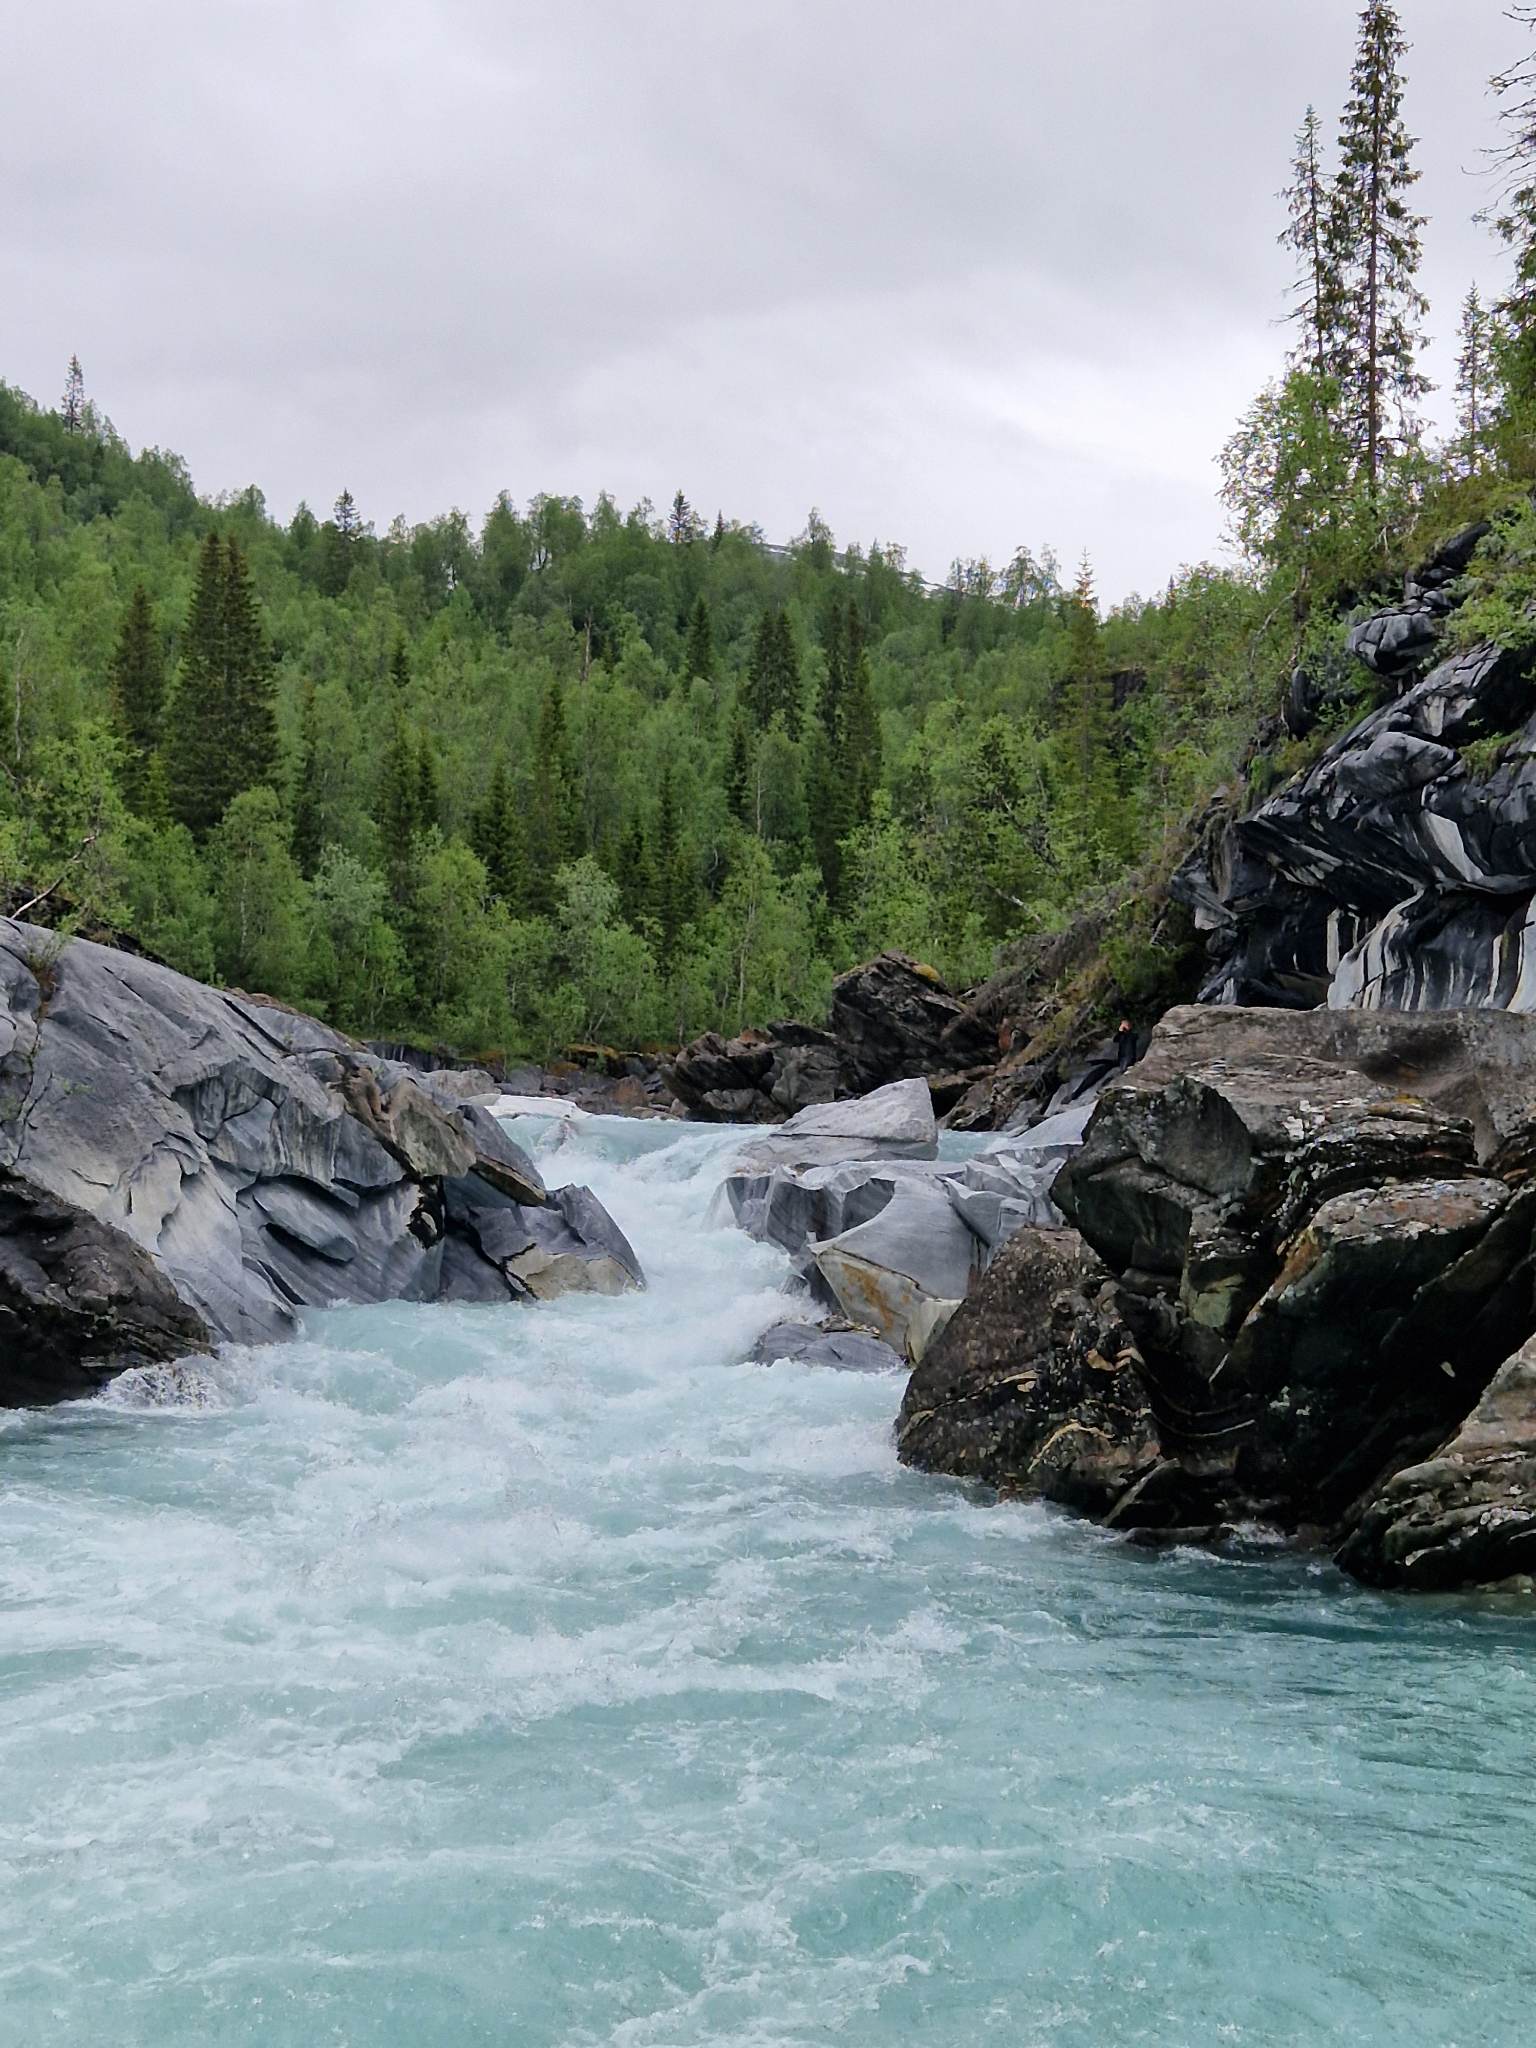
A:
{"x": 498, "y": 838}
{"x": 1515, "y": 221}
{"x": 138, "y": 695}
{"x": 699, "y": 647}
{"x": 773, "y": 674}
{"x": 72, "y": 407}
{"x": 1376, "y": 236}
{"x": 553, "y": 822}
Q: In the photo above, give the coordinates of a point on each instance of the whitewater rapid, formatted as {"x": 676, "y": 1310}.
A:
{"x": 549, "y": 1676}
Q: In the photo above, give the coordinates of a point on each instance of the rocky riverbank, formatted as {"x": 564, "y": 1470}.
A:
{"x": 1297, "y": 1290}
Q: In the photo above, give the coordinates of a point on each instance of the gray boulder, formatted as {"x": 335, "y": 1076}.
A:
{"x": 894, "y": 1122}
{"x": 218, "y": 1164}
{"x": 917, "y": 1250}
{"x": 843, "y": 1349}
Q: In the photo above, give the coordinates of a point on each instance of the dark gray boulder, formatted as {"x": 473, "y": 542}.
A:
{"x": 79, "y": 1302}
{"x": 890, "y": 1019}
{"x": 1033, "y": 1385}
{"x": 226, "y": 1164}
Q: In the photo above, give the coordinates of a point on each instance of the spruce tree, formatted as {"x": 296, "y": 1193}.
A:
{"x": 699, "y": 647}
{"x": 1086, "y": 721}
{"x": 309, "y": 791}
{"x": 738, "y": 772}
{"x": 1376, "y": 237}
{"x": 634, "y": 876}
{"x": 400, "y": 666}
{"x": 429, "y": 783}
{"x": 758, "y": 692}
{"x": 719, "y": 533}
{"x": 1515, "y": 221}
{"x": 72, "y": 405}
{"x": 669, "y": 904}
{"x": 786, "y": 675}
{"x": 497, "y": 836}
{"x": 251, "y": 696}
{"x": 1310, "y": 235}
{"x": 553, "y": 833}
{"x": 682, "y": 523}
{"x": 223, "y": 735}
{"x": 399, "y": 806}
{"x": 1476, "y": 379}
{"x": 833, "y": 795}
{"x": 138, "y": 695}
{"x": 861, "y": 739}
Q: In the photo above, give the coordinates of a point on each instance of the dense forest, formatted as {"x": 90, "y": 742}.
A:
{"x": 576, "y": 774}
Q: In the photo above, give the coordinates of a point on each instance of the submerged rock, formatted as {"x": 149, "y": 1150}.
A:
{"x": 184, "y": 1167}
{"x": 840, "y": 1349}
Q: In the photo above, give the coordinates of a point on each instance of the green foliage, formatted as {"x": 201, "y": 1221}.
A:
{"x": 1501, "y": 583}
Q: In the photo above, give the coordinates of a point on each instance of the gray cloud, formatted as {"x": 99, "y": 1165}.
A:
{"x": 963, "y": 276}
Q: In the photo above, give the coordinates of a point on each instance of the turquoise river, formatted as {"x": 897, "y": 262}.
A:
{"x": 547, "y": 1676}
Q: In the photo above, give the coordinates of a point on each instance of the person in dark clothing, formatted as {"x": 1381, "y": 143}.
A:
{"x": 1125, "y": 1043}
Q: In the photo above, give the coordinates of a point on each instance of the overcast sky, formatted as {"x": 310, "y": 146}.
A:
{"x": 961, "y": 273}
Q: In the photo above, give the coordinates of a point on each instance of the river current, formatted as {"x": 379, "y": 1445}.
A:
{"x": 548, "y": 1678}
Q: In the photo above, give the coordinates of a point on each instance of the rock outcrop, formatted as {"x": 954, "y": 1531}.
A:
{"x": 1399, "y": 870}
{"x": 181, "y": 1167}
{"x": 1321, "y": 1230}
{"x": 891, "y": 1019}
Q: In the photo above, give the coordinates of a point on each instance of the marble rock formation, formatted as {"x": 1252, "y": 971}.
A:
{"x": 181, "y": 1167}
{"x": 1399, "y": 870}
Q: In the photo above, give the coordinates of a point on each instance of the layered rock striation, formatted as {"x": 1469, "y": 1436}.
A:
{"x": 181, "y": 1167}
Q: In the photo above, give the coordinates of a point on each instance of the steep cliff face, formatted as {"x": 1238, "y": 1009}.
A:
{"x": 1399, "y": 871}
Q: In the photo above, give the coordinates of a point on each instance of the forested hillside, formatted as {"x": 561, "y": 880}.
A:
{"x": 572, "y": 773}
{"x": 575, "y": 773}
